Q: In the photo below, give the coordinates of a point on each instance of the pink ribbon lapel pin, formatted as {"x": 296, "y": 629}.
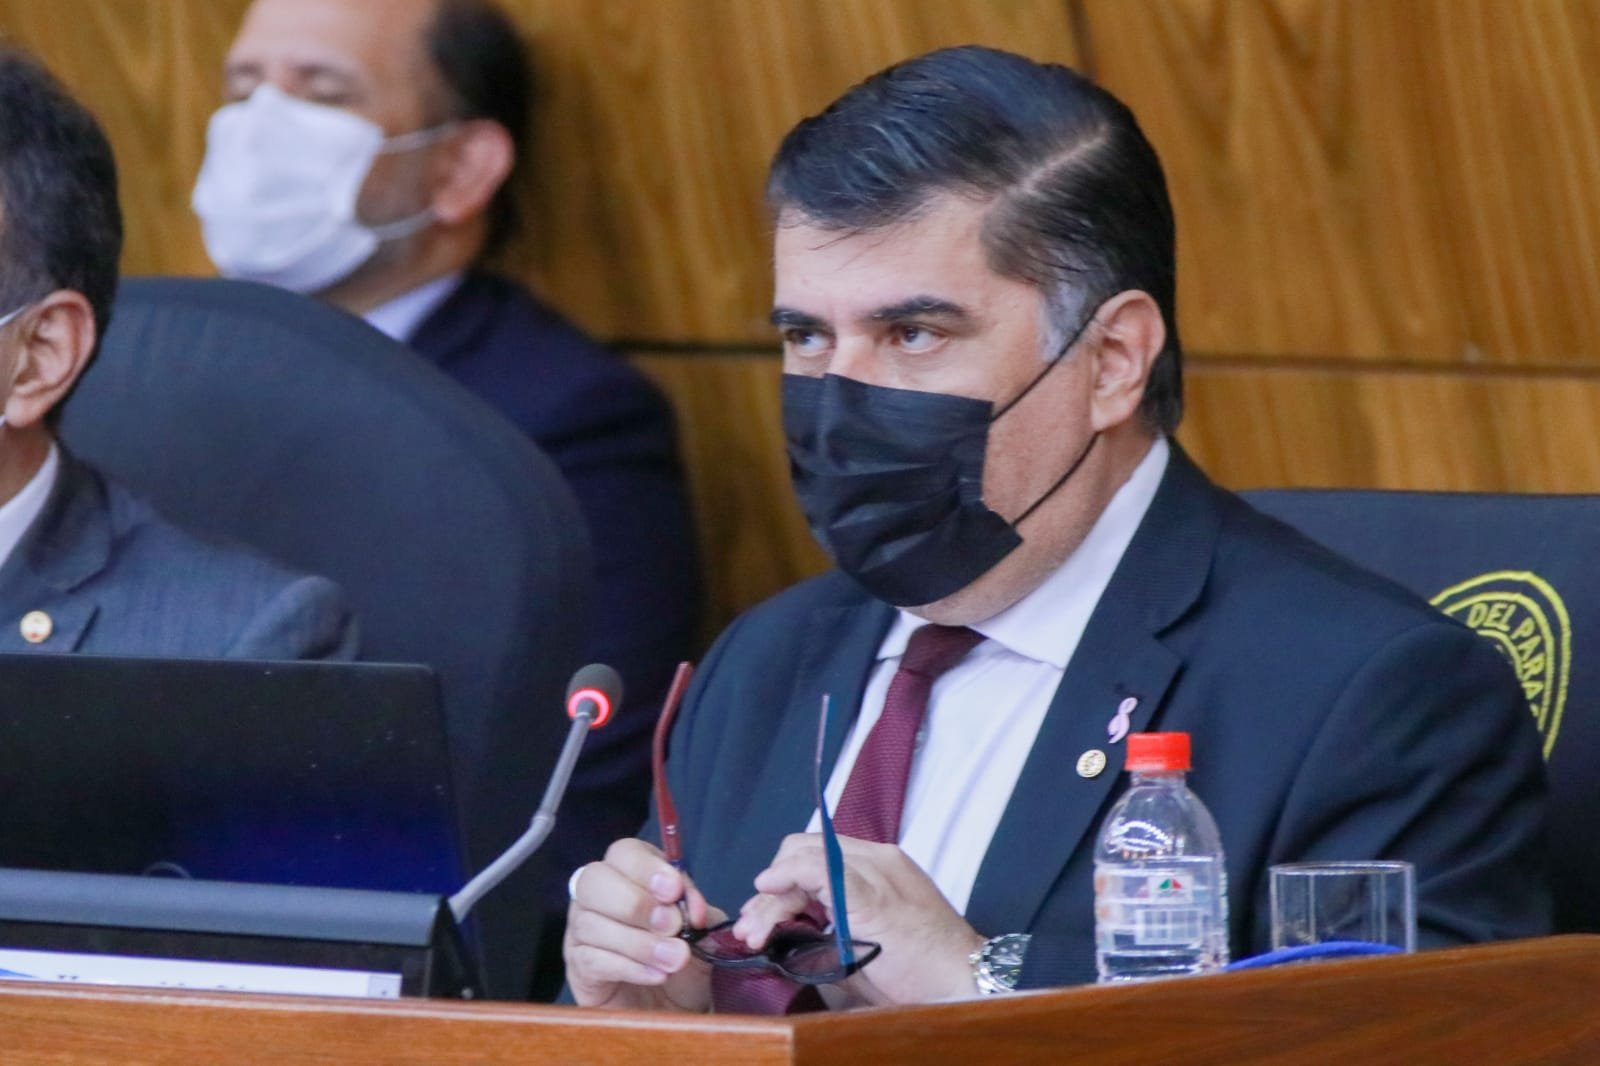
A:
{"x": 1117, "y": 728}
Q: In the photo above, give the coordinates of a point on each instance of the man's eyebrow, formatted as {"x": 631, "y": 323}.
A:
{"x": 302, "y": 71}
{"x": 913, "y": 307}
{"x": 920, "y": 307}
{"x": 328, "y": 71}
{"x": 788, "y": 318}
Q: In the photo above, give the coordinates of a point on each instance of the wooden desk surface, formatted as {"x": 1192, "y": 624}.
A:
{"x": 1525, "y": 1002}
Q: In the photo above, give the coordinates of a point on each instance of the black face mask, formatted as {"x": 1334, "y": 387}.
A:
{"x": 891, "y": 482}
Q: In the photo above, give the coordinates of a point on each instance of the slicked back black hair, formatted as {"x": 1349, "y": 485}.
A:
{"x": 60, "y": 225}
{"x": 1077, "y": 191}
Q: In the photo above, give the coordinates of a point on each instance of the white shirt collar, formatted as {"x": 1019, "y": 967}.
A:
{"x": 1046, "y": 624}
{"x": 19, "y": 512}
{"x": 401, "y": 316}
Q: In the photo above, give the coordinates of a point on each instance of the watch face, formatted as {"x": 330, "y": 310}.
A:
{"x": 1006, "y": 951}
{"x": 1001, "y": 960}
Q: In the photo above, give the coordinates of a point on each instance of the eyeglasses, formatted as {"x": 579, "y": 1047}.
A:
{"x": 802, "y": 949}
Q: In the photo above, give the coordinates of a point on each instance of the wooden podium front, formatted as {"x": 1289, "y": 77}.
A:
{"x": 1535, "y": 1001}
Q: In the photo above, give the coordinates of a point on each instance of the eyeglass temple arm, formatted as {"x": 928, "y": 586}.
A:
{"x": 832, "y": 853}
{"x": 666, "y": 810}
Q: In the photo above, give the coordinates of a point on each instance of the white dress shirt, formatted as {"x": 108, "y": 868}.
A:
{"x": 984, "y": 713}
{"x": 401, "y": 316}
{"x": 18, "y": 513}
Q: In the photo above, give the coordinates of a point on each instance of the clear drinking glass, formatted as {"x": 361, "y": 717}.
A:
{"x": 1359, "y": 902}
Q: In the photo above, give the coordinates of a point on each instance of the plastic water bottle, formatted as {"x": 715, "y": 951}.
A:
{"x": 1160, "y": 884}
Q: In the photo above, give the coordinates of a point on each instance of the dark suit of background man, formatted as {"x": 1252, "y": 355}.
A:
{"x": 83, "y": 565}
{"x": 974, "y": 287}
{"x": 366, "y": 157}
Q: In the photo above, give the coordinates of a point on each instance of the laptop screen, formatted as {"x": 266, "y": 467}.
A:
{"x": 326, "y": 774}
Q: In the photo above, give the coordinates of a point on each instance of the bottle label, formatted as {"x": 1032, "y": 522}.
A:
{"x": 1168, "y": 925}
{"x": 1169, "y": 886}
{"x": 1151, "y": 907}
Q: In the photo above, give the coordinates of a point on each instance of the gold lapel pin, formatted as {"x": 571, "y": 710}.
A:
{"x": 1091, "y": 763}
{"x": 36, "y": 627}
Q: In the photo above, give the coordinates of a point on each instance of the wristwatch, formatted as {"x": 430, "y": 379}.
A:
{"x": 997, "y": 964}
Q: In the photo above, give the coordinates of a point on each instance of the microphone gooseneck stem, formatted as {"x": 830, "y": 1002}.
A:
{"x": 544, "y": 819}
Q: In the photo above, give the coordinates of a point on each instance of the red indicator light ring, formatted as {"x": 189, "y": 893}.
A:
{"x": 601, "y": 701}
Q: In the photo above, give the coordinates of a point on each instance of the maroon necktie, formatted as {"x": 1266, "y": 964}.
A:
{"x": 876, "y": 792}
{"x": 871, "y": 805}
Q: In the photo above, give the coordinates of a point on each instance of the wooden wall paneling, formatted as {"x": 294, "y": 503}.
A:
{"x": 752, "y": 536}
{"x": 1374, "y": 180}
{"x": 657, "y": 124}
{"x": 1398, "y": 179}
{"x": 149, "y": 70}
{"x": 1518, "y": 129}
{"x": 1374, "y": 428}
{"x": 1274, "y": 177}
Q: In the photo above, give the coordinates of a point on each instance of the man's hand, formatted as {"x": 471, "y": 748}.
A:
{"x": 925, "y": 942}
{"x": 622, "y": 947}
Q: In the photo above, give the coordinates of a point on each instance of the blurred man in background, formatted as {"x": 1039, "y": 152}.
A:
{"x": 83, "y": 565}
{"x": 366, "y": 156}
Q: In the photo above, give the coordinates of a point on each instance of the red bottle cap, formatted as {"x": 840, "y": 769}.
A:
{"x": 1157, "y": 753}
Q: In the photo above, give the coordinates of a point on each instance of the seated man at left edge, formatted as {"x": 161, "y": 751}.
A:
{"x": 85, "y": 566}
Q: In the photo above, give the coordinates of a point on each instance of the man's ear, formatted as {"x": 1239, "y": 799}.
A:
{"x": 54, "y": 340}
{"x": 475, "y": 164}
{"x": 1131, "y": 333}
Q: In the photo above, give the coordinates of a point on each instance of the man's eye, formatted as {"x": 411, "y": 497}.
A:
{"x": 916, "y": 338}
{"x": 804, "y": 341}
{"x": 239, "y": 87}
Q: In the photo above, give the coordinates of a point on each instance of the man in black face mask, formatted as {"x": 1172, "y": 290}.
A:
{"x": 975, "y": 289}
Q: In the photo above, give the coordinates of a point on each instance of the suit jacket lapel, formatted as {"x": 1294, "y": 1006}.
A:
{"x": 69, "y": 543}
{"x": 1053, "y": 809}
{"x": 458, "y": 324}
{"x": 838, "y": 647}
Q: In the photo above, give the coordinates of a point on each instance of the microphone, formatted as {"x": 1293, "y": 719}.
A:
{"x": 593, "y": 695}
{"x": 594, "y": 691}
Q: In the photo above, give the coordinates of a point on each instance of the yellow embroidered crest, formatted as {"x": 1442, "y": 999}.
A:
{"x": 1521, "y": 614}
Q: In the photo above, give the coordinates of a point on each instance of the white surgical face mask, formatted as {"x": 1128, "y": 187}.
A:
{"x": 277, "y": 192}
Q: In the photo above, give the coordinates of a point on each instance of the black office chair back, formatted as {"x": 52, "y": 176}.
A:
{"x": 273, "y": 419}
{"x": 1521, "y": 571}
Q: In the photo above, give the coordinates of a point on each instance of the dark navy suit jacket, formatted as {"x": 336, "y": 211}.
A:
{"x": 1333, "y": 716}
{"x": 611, "y": 433}
{"x": 116, "y": 579}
